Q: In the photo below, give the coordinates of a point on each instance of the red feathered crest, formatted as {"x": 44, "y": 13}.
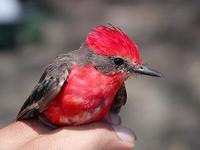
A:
{"x": 112, "y": 42}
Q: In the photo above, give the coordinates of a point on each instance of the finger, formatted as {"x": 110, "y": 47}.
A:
{"x": 125, "y": 134}
{"x": 113, "y": 118}
{"x": 98, "y": 136}
{"x": 19, "y": 133}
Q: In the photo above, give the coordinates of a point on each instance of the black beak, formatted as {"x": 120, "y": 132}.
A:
{"x": 146, "y": 71}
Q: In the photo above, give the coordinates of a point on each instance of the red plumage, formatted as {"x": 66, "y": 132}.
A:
{"x": 113, "y": 42}
{"x": 86, "y": 84}
{"x": 85, "y": 91}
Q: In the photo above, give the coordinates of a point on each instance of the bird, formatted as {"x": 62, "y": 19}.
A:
{"x": 85, "y": 85}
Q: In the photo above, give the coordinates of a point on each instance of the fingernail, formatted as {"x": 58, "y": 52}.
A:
{"x": 125, "y": 134}
{"x": 113, "y": 119}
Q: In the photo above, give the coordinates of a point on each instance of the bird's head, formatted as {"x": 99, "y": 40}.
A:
{"x": 117, "y": 51}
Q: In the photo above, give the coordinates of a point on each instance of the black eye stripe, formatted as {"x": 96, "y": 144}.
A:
{"x": 118, "y": 61}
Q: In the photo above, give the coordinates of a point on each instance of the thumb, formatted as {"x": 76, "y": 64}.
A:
{"x": 125, "y": 138}
{"x": 125, "y": 134}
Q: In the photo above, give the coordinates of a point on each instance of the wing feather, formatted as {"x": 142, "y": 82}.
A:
{"x": 46, "y": 89}
{"x": 119, "y": 100}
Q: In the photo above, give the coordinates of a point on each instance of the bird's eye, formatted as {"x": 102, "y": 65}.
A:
{"x": 118, "y": 61}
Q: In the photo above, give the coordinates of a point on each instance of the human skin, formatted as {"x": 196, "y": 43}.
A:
{"x": 32, "y": 135}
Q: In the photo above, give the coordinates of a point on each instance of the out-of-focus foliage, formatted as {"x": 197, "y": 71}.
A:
{"x": 24, "y": 28}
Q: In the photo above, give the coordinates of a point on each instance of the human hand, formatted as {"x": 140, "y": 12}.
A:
{"x": 30, "y": 134}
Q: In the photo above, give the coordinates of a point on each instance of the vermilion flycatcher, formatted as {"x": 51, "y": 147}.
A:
{"x": 86, "y": 84}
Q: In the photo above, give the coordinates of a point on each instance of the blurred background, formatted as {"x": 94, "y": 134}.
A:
{"x": 164, "y": 112}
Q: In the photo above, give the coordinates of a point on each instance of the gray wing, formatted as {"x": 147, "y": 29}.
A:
{"x": 119, "y": 100}
{"x": 47, "y": 88}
